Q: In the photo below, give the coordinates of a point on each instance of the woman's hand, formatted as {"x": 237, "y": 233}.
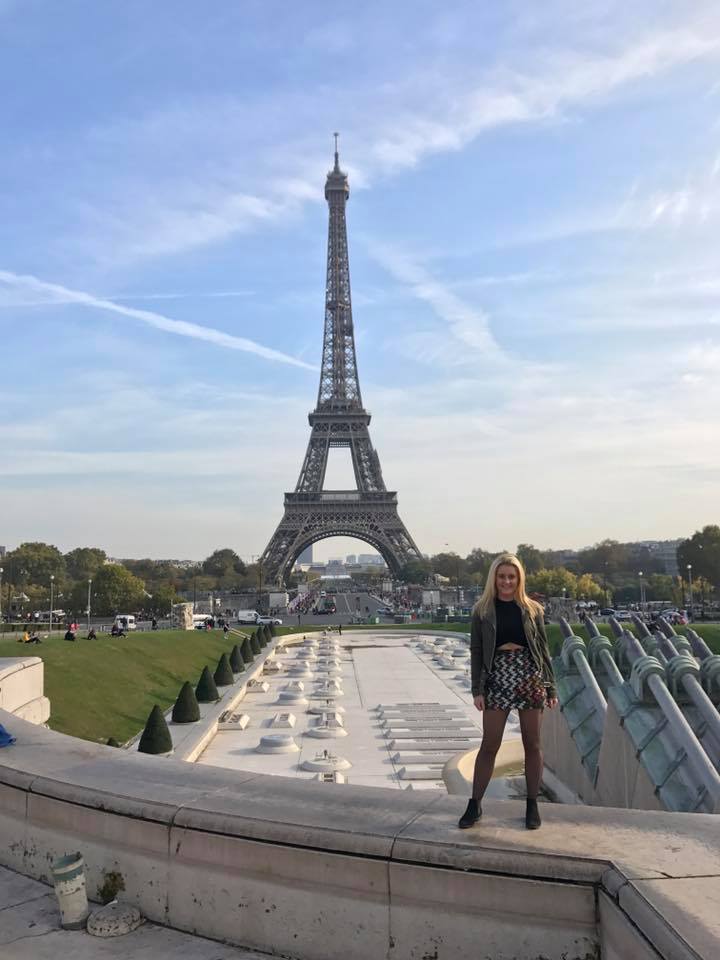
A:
{"x": 552, "y": 702}
{"x": 479, "y": 703}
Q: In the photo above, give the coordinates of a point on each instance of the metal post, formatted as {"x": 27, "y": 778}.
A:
{"x": 642, "y": 590}
{"x": 1, "y": 573}
{"x": 689, "y": 570}
{"x": 52, "y": 585}
{"x": 88, "y": 605}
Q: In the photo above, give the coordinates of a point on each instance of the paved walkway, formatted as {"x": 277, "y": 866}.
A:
{"x": 30, "y": 930}
{"x": 374, "y": 668}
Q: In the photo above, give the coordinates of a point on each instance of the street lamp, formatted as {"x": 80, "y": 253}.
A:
{"x": 88, "y": 603}
{"x": 642, "y": 590}
{"x": 1, "y": 573}
{"x": 689, "y": 570}
{"x": 52, "y": 586}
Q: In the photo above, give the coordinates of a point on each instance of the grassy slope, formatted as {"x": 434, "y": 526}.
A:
{"x": 108, "y": 687}
{"x": 105, "y": 688}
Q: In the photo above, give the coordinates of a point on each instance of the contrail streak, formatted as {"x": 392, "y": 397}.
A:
{"x": 59, "y": 294}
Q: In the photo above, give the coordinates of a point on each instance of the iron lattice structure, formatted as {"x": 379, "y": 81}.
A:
{"x": 339, "y": 420}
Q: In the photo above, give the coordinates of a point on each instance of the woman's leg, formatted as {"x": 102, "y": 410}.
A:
{"x": 530, "y": 721}
{"x": 493, "y": 728}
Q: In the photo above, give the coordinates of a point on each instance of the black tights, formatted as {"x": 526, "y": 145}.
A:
{"x": 493, "y": 729}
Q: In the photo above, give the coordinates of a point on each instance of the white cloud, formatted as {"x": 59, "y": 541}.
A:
{"x": 215, "y": 167}
{"x": 57, "y": 294}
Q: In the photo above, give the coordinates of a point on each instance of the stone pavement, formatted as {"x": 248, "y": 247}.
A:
{"x": 30, "y": 930}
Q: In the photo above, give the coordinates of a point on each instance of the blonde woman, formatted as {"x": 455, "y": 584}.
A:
{"x": 510, "y": 670}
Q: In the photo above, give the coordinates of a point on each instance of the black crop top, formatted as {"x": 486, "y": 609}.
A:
{"x": 508, "y": 617}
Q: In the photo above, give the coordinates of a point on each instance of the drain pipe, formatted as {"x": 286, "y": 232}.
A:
{"x": 682, "y": 669}
{"x": 601, "y": 654}
{"x": 573, "y": 649}
{"x": 652, "y": 642}
{"x": 647, "y": 671}
{"x": 709, "y": 665}
{"x": 701, "y": 650}
{"x": 669, "y": 633}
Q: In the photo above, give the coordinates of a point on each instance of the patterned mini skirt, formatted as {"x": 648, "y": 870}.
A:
{"x": 514, "y": 683}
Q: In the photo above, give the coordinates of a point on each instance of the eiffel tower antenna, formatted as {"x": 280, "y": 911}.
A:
{"x": 339, "y": 420}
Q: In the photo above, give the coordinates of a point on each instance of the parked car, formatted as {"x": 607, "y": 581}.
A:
{"x": 275, "y": 621}
{"x": 623, "y": 615}
{"x": 607, "y": 612}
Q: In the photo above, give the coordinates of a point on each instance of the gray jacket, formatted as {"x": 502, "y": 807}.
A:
{"x": 482, "y": 649}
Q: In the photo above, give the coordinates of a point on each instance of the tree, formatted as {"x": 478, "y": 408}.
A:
{"x": 449, "y": 565}
{"x": 530, "y": 557}
{"x": 477, "y": 564}
{"x": 115, "y": 589}
{"x": 35, "y": 563}
{"x": 607, "y": 558}
{"x": 186, "y": 709}
{"x": 156, "y": 735}
{"x": 84, "y": 562}
{"x": 222, "y": 563}
{"x": 162, "y": 599}
{"x": 415, "y": 571}
{"x": 702, "y": 550}
{"x": 660, "y": 587}
{"x": 589, "y": 589}
{"x": 551, "y": 583}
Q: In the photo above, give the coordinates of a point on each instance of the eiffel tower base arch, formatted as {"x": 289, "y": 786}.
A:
{"x": 370, "y": 517}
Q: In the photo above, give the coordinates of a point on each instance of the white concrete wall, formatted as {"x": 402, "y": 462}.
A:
{"x": 306, "y": 869}
{"x": 21, "y": 688}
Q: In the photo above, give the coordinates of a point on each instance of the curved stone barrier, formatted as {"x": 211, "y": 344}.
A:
{"x": 22, "y": 682}
{"x": 458, "y": 771}
{"x": 296, "y": 867}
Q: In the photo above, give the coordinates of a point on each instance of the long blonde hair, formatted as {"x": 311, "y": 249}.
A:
{"x": 487, "y": 599}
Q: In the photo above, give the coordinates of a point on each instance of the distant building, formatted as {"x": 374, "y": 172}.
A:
{"x": 2, "y": 551}
{"x": 370, "y": 559}
{"x": 351, "y": 559}
{"x": 306, "y": 556}
{"x": 667, "y": 551}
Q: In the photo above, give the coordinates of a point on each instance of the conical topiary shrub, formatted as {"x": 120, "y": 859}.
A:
{"x": 264, "y": 635}
{"x": 254, "y": 643}
{"x": 156, "y": 736}
{"x": 237, "y": 663}
{"x": 112, "y": 742}
{"x": 206, "y": 691}
{"x": 247, "y": 650}
{"x": 271, "y": 630}
{"x": 223, "y": 672}
{"x": 186, "y": 709}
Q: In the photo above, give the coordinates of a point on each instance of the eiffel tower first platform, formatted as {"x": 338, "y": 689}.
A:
{"x": 369, "y": 512}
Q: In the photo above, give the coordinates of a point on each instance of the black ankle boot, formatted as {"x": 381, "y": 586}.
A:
{"x": 532, "y": 815}
{"x": 472, "y": 814}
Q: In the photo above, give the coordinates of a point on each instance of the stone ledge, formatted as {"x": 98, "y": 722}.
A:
{"x": 171, "y": 827}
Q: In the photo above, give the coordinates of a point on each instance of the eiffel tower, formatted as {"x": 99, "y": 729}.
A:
{"x": 339, "y": 420}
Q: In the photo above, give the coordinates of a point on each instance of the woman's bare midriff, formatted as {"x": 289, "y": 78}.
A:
{"x": 510, "y": 646}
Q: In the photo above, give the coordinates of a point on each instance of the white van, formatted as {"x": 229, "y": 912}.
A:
{"x": 125, "y": 621}
{"x": 247, "y": 616}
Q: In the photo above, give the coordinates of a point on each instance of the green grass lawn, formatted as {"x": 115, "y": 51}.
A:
{"x": 107, "y": 688}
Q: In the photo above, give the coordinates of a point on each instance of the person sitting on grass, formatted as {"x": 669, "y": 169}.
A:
{"x": 91, "y": 634}
{"x": 69, "y": 635}
{"x": 34, "y": 638}
{"x": 25, "y": 638}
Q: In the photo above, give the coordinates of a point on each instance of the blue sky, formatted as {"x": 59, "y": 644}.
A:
{"x": 533, "y": 221}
